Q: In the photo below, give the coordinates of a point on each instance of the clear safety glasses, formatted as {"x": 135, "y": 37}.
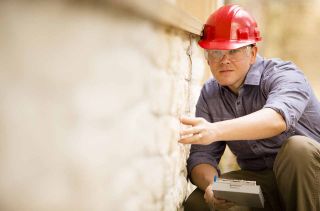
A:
{"x": 233, "y": 55}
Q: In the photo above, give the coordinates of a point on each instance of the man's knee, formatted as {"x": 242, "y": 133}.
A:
{"x": 299, "y": 151}
{"x": 300, "y": 148}
{"x": 196, "y": 202}
{"x": 297, "y": 169}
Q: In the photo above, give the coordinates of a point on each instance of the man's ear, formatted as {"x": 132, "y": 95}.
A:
{"x": 254, "y": 51}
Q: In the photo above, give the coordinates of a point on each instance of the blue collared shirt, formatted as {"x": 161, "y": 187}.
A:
{"x": 270, "y": 83}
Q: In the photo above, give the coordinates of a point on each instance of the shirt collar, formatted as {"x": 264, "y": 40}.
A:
{"x": 254, "y": 74}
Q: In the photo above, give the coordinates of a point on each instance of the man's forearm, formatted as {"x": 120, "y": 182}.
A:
{"x": 261, "y": 124}
{"x": 202, "y": 175}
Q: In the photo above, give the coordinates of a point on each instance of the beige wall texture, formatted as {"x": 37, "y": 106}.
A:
{"x": 90, "y": 97}
{"x": 200, "y": 9}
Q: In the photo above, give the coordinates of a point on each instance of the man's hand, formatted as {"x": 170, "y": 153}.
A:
{"x": 215, "y": 202}
{"x": 201, "y": 132}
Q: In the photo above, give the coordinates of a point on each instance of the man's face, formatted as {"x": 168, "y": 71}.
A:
{"x": 230, "y": 67}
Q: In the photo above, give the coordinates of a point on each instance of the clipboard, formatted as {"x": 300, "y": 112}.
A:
{"x": 241, "y": 192}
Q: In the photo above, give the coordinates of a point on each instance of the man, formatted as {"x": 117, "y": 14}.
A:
{"x": 263, "y": 109}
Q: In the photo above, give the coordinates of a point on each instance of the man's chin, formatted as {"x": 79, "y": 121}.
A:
{"x": 224, "y": 83}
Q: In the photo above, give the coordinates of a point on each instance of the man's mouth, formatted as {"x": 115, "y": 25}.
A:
{"x": 225, "y": 71}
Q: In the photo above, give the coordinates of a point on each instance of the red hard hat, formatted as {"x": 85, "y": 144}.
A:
{"x": 229, "y": 27}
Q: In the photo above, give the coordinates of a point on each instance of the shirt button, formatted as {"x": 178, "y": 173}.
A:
{"x": 238, "y": 102}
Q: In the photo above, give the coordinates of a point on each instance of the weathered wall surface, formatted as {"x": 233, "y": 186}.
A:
{"x": 90, "y": 100}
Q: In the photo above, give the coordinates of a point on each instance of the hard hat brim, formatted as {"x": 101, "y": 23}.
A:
{"x": 224, "y": 45}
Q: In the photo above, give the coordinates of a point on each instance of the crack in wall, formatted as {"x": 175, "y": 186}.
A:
{"x": 188, "y": 79}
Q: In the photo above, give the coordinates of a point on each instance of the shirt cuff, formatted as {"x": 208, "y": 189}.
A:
{"x": 281, "y": 109}
{"x": 194, "y": 161}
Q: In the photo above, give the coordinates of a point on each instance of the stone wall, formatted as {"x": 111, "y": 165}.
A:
{"x": 90, "y": 99}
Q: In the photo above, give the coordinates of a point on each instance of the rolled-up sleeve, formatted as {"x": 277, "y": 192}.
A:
{"x": 287, "y": 92}
{"x": 209, "y": 154}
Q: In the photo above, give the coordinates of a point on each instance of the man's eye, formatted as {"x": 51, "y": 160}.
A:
{"x": 214, "y": 53}
{"x": 234, "y": 51}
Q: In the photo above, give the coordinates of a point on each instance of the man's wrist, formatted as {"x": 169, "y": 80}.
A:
{"x": 214, "y": 132}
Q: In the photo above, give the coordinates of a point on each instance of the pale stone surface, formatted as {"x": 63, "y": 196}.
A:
{"x": 90, "y": 100}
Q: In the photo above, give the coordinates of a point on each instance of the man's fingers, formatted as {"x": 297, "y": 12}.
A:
{"x": 189, "y": 120}
{"x": 191, "y": 140}
{"x": 219, "y": 201}
{"x": 226, "y": 205}
{"x": 193, "y": 130}
{"x": 208, "y": 194}
{"x": 229, "y": 204}
{"x": 215, "y": 202}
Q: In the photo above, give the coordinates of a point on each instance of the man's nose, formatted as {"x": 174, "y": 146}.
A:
{"x": 225, "y": 59}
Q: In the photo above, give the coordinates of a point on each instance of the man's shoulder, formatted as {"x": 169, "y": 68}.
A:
{"x": 264, "y": 67}
{"x": 276, "y": 65}
{"x": 277, "y": 71}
